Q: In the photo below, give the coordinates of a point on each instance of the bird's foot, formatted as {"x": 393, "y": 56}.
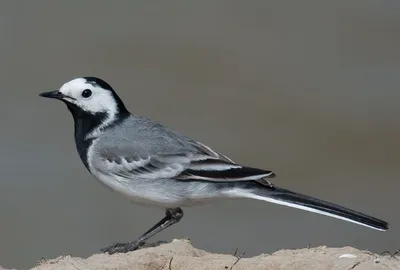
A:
{"x": 121, "y": 248}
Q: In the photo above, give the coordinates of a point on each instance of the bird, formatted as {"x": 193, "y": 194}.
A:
{"x": 151, "y": 164}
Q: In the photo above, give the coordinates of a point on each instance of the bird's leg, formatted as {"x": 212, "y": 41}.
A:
{"x": 172, "y": 216}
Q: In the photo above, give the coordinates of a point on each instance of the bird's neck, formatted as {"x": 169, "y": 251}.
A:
{"x": 88, "y": 126}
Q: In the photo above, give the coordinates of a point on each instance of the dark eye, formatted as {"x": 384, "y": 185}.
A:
{"x": 87, "y": 93}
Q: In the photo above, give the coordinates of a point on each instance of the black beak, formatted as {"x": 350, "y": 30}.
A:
{"x": 52, "y": 94}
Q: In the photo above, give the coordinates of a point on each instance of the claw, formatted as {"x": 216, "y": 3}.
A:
{"x": 116, "y": 248}
{"x": 120, "y": 248}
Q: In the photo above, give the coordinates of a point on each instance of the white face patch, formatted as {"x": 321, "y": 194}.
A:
{"x": 100, "y": 101}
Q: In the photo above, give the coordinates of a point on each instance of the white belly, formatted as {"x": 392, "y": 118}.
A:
{"x": 166, "y": 193}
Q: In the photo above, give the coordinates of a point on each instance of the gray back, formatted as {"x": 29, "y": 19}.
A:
{"x": 143, "y": 137}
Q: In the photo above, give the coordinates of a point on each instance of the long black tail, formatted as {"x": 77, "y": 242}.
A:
{"x": 289, "y": 198}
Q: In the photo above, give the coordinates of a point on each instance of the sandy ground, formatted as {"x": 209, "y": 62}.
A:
{"x": 180, "y": 254}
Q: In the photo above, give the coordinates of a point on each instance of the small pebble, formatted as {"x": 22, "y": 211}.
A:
{"x": 351, "y": 256}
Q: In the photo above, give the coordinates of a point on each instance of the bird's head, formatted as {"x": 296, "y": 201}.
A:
{"x": 88, "y": 96}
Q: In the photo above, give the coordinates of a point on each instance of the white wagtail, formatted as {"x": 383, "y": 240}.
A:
{"x": 151, "y": 164}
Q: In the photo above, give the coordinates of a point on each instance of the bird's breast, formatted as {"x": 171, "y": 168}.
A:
{"x": 83, "y": 146}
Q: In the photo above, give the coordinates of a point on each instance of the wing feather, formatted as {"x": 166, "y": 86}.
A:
{"x": 200, "y": 164}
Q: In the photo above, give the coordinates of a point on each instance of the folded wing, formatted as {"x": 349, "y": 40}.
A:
{"x": 202, "y": 165}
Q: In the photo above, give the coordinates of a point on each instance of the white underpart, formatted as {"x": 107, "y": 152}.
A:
{"x": 101, "y": 101}
{"x": 240, "y": 193}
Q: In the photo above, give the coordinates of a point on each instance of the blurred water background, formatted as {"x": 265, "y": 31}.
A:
{"x": 308, "y": 89}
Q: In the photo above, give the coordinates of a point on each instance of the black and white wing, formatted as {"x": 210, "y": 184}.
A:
{"x": 213, "y": 166}
{"x": 200, "y": 163}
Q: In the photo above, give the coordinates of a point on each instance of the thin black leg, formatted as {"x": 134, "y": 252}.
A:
{"x": 172, "y": 216}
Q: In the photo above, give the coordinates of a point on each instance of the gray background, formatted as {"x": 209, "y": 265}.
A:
{"x": 309, "y": 90}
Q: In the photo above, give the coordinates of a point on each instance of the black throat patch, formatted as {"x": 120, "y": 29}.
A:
{"x": 84, "y": 123}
